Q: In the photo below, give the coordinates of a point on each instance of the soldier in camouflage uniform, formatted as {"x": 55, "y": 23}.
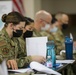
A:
{"x": 62, "y": 24}
{"x": 27, "y": 32}
{"x": 42, "y": 24}
{"x": 41, "y": 19}
{"x": 60, "y": 21}
{"x": 9, "y": 45}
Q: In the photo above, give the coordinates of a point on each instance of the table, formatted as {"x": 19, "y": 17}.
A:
{"x": 63, "y": 70}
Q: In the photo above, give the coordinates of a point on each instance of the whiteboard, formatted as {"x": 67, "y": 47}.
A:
{"x": 5, "y": 8}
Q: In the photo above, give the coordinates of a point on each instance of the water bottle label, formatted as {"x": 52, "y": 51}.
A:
{"x": 49, "y": 64}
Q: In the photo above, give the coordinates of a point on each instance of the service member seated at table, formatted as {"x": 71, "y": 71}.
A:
{"x": 42, "y": 23}
{"x": 14, "y": 22}
{"x": 27, "y": 32}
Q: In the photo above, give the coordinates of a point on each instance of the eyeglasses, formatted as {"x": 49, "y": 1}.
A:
{"x": 46, "y": 21}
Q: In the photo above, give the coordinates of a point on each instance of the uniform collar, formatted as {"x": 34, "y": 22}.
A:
{"x": 5, "y": 34}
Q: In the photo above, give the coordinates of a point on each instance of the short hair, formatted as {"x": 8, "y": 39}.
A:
{"x": 42, "y": 14}
{"x": 59, "y": 15}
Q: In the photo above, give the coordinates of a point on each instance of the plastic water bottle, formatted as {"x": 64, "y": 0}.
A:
{"x": 51, "y": 57}
{"x": 48, "y": 55}
{"x": 69, "y": 48}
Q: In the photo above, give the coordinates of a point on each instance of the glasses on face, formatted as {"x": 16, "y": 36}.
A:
{"x": 46, "y": 21}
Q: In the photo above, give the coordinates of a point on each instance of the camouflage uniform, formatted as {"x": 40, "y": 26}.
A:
{"x": 42, "y": 33}
{"x": 6, "y": 46}
{"x": 59, "y": 37}
{"x": 10, "y": 49}
{"x": 58, "y": 43}
{"x": 49, "y": 35}
{"x": 23, "y": 52}
{"x": 36, "y": 33}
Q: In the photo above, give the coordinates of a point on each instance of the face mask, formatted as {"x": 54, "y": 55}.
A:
{"x": 64, "y": 26}
{"x": 27, "y": 34}
{"x": 47, "y": 26}
{"x": 54, "y": 29}
{"x": 18, "y": 33}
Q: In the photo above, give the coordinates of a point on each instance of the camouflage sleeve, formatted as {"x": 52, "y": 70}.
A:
{"x": 59, "y": 47}
{"x": 1, "y": 59}
{"x": 4, "y": 50}
{"x": 49, "y": 35}
{"x": 24, "y": 61}
{"x": 59, "y": 42}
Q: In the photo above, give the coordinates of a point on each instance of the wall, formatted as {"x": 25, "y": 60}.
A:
{"x": 54, "y": 6}
{"x": 31, "y": 7}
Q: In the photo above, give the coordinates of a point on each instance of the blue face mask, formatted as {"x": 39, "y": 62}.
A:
{"x": 54, "y": 29}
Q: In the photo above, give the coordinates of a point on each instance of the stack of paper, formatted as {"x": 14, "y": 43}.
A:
{"x": 41, "y": 68}
{"x": 38, "y": 67}
{"x": 21, "y": 70}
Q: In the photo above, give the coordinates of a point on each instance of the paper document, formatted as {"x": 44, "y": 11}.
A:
{"x": 3, "y": 68}
{"x": 38, "y": 67}
{"x": 36, "y": 46}
{"x": 21, "y": 70}
{"x": 41, "y": 68}
{"x": 65, "y": 61}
